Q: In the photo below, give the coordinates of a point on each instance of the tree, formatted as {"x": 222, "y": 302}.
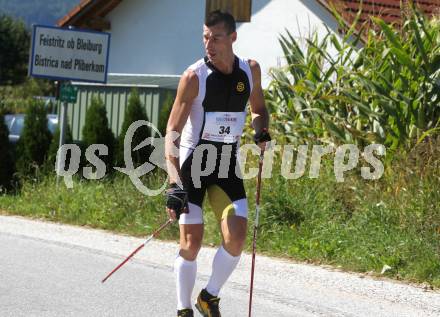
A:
{"x": 134, "y": 112}
{"x": 97, "y": 131}
{"x": 34, "y": 142}
{"x": 165, "y": 111}
{"x": 6, "y": 166}
{"x": 53, "y": 149}
{"x": 14, "y": 50}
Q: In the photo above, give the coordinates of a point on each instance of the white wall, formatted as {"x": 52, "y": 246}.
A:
{"x": 155, "y": 37}
{"x": 259, "y": 39}
{"x": 164, "y": 37}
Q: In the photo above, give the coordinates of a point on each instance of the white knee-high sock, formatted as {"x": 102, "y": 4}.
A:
{"x": 222, "y": 267}
{"x": 185, "y": 278}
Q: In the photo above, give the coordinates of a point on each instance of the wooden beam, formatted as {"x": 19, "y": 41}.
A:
{"x": 241, "y": 10}
{"x": 106, "y": 7}
{"x": 97, "y": 23}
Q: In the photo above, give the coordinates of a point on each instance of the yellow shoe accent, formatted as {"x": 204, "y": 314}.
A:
{"x": 208, "y": 305}
{"x": 185, "y": 313}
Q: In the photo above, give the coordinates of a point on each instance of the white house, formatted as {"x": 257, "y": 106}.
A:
{"x": 154, "y": 41}
{"x": 164, "y": 37}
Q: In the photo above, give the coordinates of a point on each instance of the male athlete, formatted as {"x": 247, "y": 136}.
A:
{"x": 209, "y": 112}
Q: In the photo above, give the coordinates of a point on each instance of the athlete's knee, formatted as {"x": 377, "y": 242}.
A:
{"x": 234, "y": 234}
{"x": 190, "y": 241}
{"x": 189, "y": 248}
{"x": 234, "y": 243}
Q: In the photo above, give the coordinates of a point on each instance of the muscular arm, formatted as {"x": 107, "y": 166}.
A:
{"x": 260, "y": 115}
{"x": 186, "y": 93}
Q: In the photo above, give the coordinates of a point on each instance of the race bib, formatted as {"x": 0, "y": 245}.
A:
{"x": 226, "y": 127}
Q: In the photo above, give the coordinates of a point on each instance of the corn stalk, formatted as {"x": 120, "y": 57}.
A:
{"x": 388, "y": 91}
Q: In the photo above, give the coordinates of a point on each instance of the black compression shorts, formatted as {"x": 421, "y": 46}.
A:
{"x": 225, "y": 188}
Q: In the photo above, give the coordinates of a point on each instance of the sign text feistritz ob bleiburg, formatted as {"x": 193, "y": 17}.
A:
{"x": 68, "y": 54}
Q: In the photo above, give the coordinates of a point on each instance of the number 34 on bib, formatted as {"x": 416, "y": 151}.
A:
{"x": 226, "y": 127}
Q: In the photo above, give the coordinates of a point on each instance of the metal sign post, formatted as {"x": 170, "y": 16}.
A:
{"x": 63, "y": 121}
{"x": 68, "y": 93}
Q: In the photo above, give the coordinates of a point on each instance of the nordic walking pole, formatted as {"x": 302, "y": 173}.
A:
{"x": 257, "y": 215}
{"x": 154, "y": 234}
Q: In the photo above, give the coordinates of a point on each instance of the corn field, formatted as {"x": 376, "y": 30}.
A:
{"x": 383, "y": 87}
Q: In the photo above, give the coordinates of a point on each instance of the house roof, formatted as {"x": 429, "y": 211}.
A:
{"x": 390, "y": 11}
{"x": 90, "y": 14}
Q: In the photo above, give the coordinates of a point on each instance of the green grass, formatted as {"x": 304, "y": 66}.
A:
{"x": 357, "y": 225}
{"x": 113, "y": 204}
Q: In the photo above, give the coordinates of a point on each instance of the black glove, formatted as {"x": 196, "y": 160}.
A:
{"x": 177, "y": 199}
{"x": 262, "y": 136}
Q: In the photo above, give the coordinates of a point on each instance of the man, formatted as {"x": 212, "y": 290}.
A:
{"x": 209, "y": 113}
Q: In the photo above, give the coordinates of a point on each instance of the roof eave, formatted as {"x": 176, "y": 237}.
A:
{"x": 76, "y": 13}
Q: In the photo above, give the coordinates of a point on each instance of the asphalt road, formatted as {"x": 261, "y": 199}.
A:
{"x": 48, "y": 269}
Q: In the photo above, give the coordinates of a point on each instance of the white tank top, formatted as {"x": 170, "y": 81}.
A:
{"x": 218, "y": 112}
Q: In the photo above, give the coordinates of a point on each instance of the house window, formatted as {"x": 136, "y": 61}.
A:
{"x": 241, "y": 10}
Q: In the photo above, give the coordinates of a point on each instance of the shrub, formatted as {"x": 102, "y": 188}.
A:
{"x": 34, "y": 142}
{"x": 14, "y": 98}
{"x": 96, "y": 129}
{"x": 134, "y": 112}
{"x": 14, "y": 50}
{"x": 6, "y": 167}
{"x": 54, "y": 145}
{"x": 165, "y": 110}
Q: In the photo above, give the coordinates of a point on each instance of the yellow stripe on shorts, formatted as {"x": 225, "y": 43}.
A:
{"x": 220, "y": 202}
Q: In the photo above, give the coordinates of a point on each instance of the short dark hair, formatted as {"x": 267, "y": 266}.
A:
{"x": 217, "y": 16}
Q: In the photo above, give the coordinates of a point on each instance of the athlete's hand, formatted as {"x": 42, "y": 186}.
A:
{"x": 177, "y": 201}
{"x": 261, "y": 138}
